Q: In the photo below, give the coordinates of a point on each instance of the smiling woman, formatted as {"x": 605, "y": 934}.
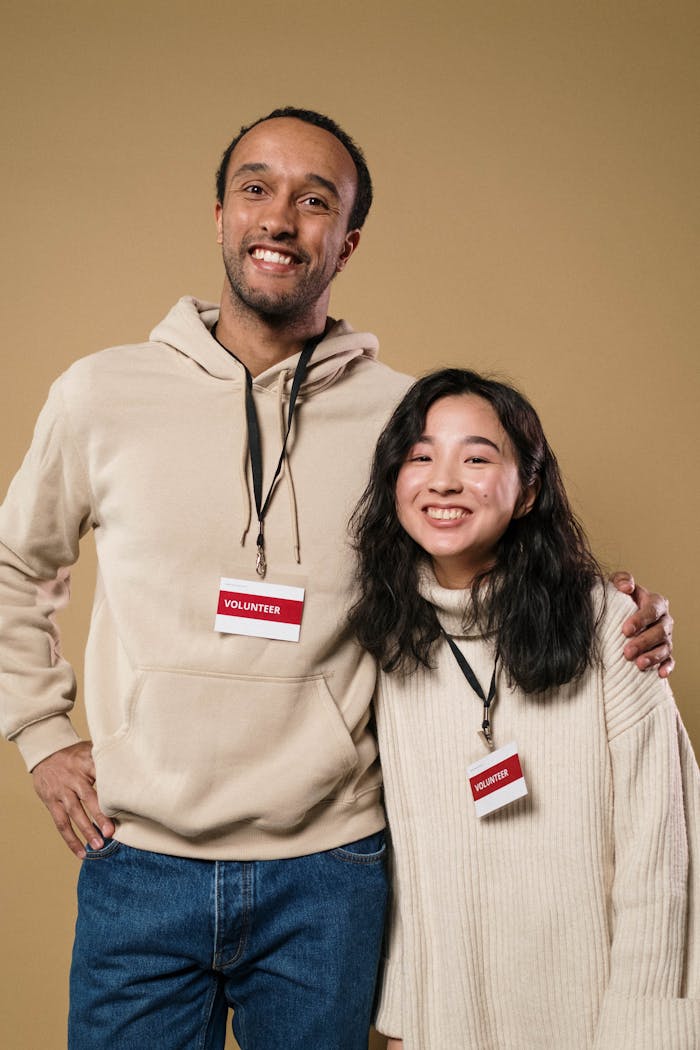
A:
{"x": 463, "y": 473}
{"x": 477, "y": 583}
{"x": 459, "y": 488}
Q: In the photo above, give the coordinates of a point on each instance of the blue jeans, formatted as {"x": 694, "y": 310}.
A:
{"x": 164, "y": 945}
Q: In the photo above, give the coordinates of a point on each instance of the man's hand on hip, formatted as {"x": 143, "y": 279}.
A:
{"x": 65, "y": 783}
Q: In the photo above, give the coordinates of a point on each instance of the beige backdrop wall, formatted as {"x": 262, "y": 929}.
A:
{"x": 537, "y": 173}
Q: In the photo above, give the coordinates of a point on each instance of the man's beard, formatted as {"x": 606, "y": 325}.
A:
{"x": 287, "y": 305}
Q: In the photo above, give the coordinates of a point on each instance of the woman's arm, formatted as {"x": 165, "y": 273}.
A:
{"x": 388, "y": 1011}
{"x": 653, "y": 993}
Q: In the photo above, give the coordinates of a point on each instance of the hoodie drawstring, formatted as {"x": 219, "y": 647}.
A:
{"x": 243, "y": 471}
{"x": 287, "y": 470}
{"x": 255, "y": 455}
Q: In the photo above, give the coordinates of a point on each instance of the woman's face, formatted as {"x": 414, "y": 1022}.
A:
{"x": 458, "y": 488}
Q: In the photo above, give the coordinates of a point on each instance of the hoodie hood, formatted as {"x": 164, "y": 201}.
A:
{"x": 187, "y": 329}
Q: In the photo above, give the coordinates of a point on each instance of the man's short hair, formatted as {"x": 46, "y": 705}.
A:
{"x": 363, "y": 194}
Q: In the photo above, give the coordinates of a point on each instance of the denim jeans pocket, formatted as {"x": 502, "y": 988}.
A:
{"x": 369, "y": 850}
{"x": 110, "y": 847}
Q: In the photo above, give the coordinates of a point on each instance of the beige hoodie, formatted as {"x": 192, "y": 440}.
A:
{"x": 206, "y": 744}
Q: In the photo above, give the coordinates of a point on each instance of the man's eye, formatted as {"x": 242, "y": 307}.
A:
{"x": 255, "y": 189}
{"x": 315, "y": 202}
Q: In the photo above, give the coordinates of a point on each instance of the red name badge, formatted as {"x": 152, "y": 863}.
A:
{"x": 496, "y": 780}
{"x": 261, "y": 610}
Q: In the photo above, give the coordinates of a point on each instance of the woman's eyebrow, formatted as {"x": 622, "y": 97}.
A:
{"x": 476, "y": 439}
{"x": 470, "y": 439}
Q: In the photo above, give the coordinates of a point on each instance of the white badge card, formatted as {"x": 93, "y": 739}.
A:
{"x": 496, "y": 780}
{"x": 260, "y": 610}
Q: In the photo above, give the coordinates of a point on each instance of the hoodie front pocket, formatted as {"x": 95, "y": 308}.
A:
{"x": 203, "y": 752}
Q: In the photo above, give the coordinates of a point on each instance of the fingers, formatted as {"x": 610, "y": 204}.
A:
{"x": 650, "y": 627}
{"x": 653, "y": 608}
{"x": 666, "y": 668}
{"x": 65, "y": 783}
{"x": 653, "y": 647}
{"x": 624, "y": 581}
{"x": 644, "y": 659}
{"x": 61, "y": 816}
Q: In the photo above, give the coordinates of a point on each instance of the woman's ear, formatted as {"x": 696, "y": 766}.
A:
{"x": 527, "y": 499}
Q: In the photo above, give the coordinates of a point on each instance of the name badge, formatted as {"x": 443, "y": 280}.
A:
{"x": 496, "y": 780}
{"x": 261, "y": 610}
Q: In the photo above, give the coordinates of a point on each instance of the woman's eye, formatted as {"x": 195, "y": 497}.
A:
{"x": 421, "y": 457}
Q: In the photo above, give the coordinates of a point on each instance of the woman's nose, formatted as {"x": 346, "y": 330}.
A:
{"x": 445, "y": 478}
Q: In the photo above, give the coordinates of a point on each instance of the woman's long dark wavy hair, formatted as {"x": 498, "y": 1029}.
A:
{"x": 537, "y": 598}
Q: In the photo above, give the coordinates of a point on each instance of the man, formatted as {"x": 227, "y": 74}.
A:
{"x": 232, "y": 773}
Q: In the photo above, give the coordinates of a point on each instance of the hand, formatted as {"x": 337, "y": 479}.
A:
{"x": 395, "y": 1044}
{"x": 65, "y": 783}
{"x": 650, "y": 628}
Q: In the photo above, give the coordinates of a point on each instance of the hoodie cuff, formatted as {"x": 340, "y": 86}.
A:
{"x": 41, "y": 739}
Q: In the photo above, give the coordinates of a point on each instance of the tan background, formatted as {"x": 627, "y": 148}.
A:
{"x": 537, "y": 172}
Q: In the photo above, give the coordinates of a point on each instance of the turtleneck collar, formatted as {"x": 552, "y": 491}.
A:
{"x": 449, "y": 604}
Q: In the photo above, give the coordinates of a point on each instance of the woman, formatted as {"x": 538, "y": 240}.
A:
{"x": 542, "y": 795}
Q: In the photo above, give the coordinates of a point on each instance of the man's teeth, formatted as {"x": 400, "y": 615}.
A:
{"x": 446, "y": 513}
{"x": 272, "y": 257}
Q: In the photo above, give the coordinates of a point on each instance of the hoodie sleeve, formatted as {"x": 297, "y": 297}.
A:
{"x": 47, "y": 509}
{"x": 653, "y": 995}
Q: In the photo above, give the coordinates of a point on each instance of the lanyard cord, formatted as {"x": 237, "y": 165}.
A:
{"x": 255, "y": 445}
{"x": 468, "y": 673}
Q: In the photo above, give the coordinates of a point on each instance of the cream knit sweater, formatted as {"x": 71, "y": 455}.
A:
{"x": 569, "y": 919}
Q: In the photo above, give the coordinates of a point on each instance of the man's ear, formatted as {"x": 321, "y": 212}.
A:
{"x": 218, "y": 213}
{"x": 527, "y": 500}
{"x": 352, "y": 239}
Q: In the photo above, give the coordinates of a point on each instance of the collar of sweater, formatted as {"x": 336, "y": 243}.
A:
{"x": 452, "y": 606}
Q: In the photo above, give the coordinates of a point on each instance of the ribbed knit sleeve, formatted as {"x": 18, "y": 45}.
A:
{"x": 388, "y": 1019}
{"x": 47, "y": 509}
{"x": 651, "y": 999}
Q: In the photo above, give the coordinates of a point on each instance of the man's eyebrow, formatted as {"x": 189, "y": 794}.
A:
{"x": 244, "y": 168}
{"x": 255, "y": 167}
{"x": 319, "y": 180}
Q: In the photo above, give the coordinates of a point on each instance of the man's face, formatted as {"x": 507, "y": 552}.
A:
{"x": 290, "y": 188}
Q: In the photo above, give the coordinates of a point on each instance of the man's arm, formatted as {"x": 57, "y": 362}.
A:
{"x": 650, "y": 628}
{"x": 47, "y": 509}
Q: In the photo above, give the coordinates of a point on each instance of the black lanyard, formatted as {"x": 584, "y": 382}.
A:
{"x": 254, "y": 443}
{"x": 468, "y": 673}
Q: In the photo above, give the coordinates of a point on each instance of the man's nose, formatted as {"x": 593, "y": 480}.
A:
{"x": 279, "y": 218}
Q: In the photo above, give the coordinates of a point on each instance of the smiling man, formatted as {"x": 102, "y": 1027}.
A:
{"x": 227, "y": 809}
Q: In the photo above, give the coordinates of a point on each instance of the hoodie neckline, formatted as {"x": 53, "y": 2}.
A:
{"x": 187, "y": 329}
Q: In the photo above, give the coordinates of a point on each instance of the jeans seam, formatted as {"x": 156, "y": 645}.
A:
{"x": 367, "y": 859}
{"x": 106, "y": 851}
{"x": 241, "y": 1035}
{"x": 218, "y": 908}
{"x": 247, "y": 901}
{"x": 204, "y": 1032}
